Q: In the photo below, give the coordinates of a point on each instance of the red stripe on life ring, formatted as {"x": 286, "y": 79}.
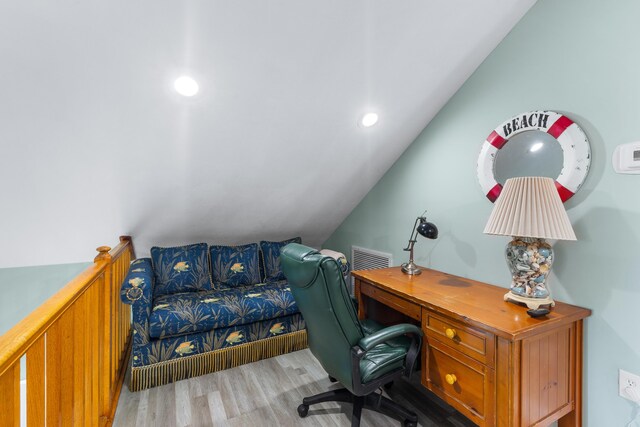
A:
{"x": 559, "y": 126}
{"x": 564, "y": 192}
{"x": 496, "y": 140}
{"x": 494, "y": 192}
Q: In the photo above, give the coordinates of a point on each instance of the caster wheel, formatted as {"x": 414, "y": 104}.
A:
{"x": 408, "y": 423}
{"x": 303, "y": 410}
{"x": 333, "y": 380}
{"x": 388, "y": 386}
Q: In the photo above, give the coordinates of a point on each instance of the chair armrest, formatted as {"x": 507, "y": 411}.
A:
{"x": 137, "y": 287}
{"x": 368, "y": 342}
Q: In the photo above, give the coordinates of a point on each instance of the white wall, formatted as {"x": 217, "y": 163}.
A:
{"x": 95, "y": 143}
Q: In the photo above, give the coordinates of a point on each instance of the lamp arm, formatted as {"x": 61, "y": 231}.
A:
{"x": 425, "y": 229}
{"x": 412, "y": 238}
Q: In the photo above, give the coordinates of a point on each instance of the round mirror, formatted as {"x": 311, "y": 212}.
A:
{"x": 537, "y": 143}
{"x": 531, "y": 153}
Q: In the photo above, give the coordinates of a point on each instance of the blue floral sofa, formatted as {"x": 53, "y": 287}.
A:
{"x": 198, "y": 309}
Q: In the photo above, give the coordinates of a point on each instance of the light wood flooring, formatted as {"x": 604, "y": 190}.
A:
{"x": 267, "y": 393}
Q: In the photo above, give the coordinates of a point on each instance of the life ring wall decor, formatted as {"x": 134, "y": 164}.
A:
{"x": 572, "y": 140}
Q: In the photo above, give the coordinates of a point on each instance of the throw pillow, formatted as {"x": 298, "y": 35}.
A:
{"x": 271, "y": 258}
{"x": 180, "y": 269}
{"x": 235, "y": 265}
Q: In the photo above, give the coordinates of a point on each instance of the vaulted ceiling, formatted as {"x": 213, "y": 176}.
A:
{"x": 96, "y": 143}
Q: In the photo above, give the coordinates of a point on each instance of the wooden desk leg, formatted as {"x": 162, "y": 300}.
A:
{"x": 361, "y": 307}
{"x": 574, "y": 418}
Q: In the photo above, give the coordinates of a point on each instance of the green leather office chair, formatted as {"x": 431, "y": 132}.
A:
{"x": 362, "y": 355}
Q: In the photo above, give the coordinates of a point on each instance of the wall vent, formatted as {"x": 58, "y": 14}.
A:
{"x": 368, "y": 259}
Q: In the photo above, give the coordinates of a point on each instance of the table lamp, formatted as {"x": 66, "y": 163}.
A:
{"x": 424, "y": 228}
{"x": 530, "y": 210}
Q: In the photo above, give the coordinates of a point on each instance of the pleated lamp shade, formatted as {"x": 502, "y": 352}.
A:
{"x": 530, "y": 207}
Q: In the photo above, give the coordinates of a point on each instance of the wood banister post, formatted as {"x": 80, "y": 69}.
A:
{"x": 130, "y": 241}
{"x": 103, "y": 254}
{"x": 105, "y": 346}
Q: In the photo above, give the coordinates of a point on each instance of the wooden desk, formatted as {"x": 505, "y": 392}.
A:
{"x": 484, "y": 356}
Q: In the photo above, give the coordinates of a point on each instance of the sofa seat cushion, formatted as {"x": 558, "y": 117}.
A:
{"x": 185, "y": 313}
{"x": 177, "y": 347}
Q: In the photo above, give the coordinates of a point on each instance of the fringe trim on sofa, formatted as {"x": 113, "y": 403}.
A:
{"x": 205, "y": 363}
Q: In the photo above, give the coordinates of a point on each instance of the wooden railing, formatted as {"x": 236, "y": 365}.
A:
{"x": 76, "y": 346}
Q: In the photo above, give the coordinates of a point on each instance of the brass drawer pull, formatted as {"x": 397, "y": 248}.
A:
{"x": 451, "y": 379}
{"x": 450, "y": 333}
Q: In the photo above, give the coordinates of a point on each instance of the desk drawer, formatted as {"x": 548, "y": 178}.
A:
{"x": 472, "y": 342}
{"x": 460, "y": 381}
{"x": 407, "y": 307}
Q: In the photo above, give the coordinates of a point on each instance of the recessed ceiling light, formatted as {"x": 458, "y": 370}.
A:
{"x": 369, "y": 120}
{"x": 186, "y": 86}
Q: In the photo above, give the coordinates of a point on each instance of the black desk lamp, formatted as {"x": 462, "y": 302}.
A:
{"x": 424, "y": 228}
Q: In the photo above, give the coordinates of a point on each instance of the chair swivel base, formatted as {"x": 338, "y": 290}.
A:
{"x": 372, "y": 401}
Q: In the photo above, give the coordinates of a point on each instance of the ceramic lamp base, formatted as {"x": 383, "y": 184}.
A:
{"x": 531, "y": 303}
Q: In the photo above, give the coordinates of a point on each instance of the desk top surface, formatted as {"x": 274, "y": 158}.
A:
{"x": 469, "y": 300}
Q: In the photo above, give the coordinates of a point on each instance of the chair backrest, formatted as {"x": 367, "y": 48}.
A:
{"x": 320, "y": 292}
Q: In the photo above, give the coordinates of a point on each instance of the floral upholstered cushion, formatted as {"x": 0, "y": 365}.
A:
{"x": 176, "y": 347}
{"x": 137, "y": 290}
{"x": 344, "y": 265}
{"x": 190, "y": 312}
{"x": 235, "y": 265}
{"x": 138, "y": 284}
{"x": 180, "y": 269}
{"x": 271, "y": 258}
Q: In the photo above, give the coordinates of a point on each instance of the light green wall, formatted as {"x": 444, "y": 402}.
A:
{"x": 23, "y": 289}
{"x": 578, "y": 57}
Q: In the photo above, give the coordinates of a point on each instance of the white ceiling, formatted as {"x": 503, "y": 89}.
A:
{"x": 96, "y": 143}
